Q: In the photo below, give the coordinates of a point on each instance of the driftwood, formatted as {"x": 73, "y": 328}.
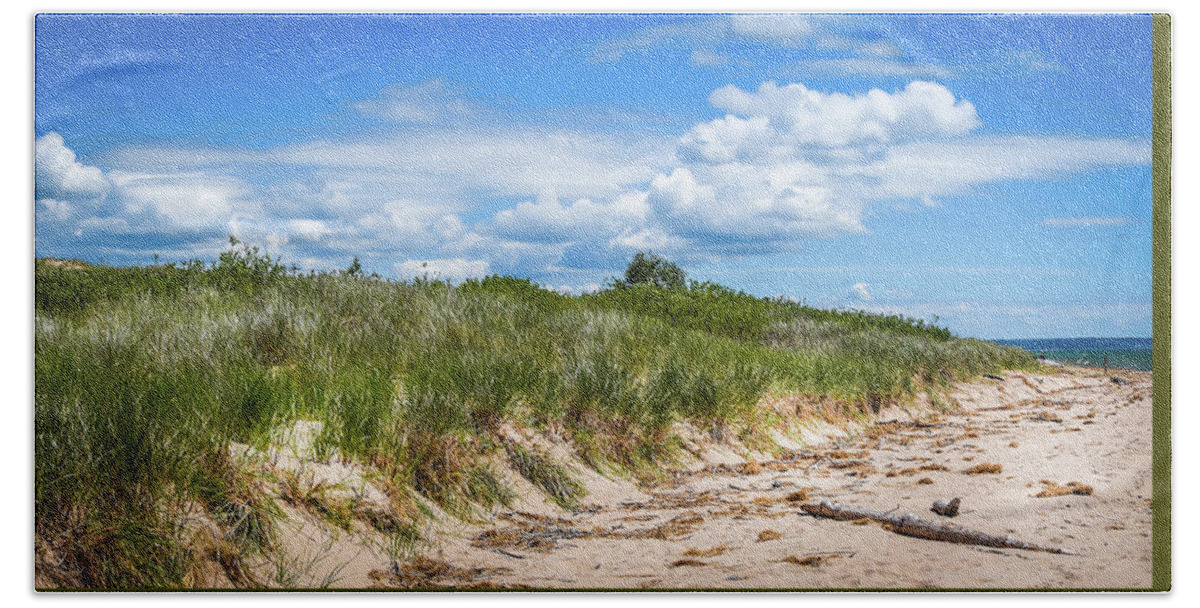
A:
{"x": 911, "y": 525}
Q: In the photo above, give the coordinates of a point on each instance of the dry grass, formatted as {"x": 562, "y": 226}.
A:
{"x": 924, "y": 481}
{"x": 909, "y": 472}
{"x": 768, "y": 535}
{"x": 65, "y": 264}
{"x": 986, "y": 468}
{"x": 1046, "y": 417}
{"x": 710, "y": 552}
{"x": 427, "y": 573}
{"x": 1030, "y": 384}
{"x": 688, "y": 562}
{"x": 531, "y": 533}
{"x": 811, "y": 561}
{"x": 800, "y": 495}
{"x": 680, "y": 525}
{"x": 1072, "y": 487}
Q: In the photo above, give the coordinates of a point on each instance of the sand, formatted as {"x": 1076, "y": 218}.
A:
{"x": 729, "y": 524}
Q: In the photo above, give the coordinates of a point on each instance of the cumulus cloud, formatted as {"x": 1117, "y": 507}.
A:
{"x": 411, "y": 224}
{"x": 799, "y": 117}
{"x": 787, "y": 162}
{"x": 308, "y": 230}
{"x": 780, "y": 163}
{"x": 187, "y": 201}
{"x": 775, "y": 168}
{"x": 399, "y": 195}
{"x": 548, "y": 220}
{"x": 90, "y": 203}
{"x": 60, "y": 177}
{"x": 454, "y": 270}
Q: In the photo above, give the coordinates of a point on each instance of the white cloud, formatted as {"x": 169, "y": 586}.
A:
{"x": 410, "y": 225}
{"x": 768, "y": 172}
{"x": 696, "y": 33}
{"x": 308, "y": 230}
{"x": 783, "y": 163}
{"x": 932, "y": 168}
{"x": 781, "y": 28}
{"x": 547, "y": 220}
{"x": 404, "y": 194}
{"x": 428, "y": 102}
{"x": 1086, "y": 222}
{"x": 191, "y": 201}
{"x": 501, "y": 160}
{"x": 860, "y": 292}
{"x": 799, "y": 117}
{"x": 739, "y": 202}
{"x": 875, "y": 66}
{"x": 788, "y": 162}
{"x": 59, "y": 175}
{"x": 55, "y": 209}
{"x": 451, "y": 269}
{"x": 706, "y": 57}
{"x": 645, "y": 239}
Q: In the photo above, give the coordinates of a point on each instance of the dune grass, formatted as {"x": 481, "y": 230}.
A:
{"x": 145, "y": 376}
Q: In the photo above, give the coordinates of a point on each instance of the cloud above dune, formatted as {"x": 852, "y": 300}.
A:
{"x": 59, "y": 175}
{"x": 427, "y": 102}
{"x": 777, "y": 165}
{"x": 860, "y": 292}
{"x": 454, "y": 270}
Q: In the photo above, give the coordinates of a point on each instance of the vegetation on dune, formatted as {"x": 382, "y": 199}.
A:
{"x": 145, "y": 376}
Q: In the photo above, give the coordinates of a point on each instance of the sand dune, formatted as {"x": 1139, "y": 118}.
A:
{"x": 1059, "y": 458}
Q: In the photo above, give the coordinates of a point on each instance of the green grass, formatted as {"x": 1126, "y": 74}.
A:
{"x": 551, "y": 477}
{"x": 144, "y": 376}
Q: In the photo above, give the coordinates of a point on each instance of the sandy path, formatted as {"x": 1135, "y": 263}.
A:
{"x": 703, "y": 530}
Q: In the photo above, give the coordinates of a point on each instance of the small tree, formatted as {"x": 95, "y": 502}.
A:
{"x": 241, "y": 262}
{"x": 651, "y": 269}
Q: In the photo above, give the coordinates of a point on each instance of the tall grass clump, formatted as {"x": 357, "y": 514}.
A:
{"x": 145, "y": 378}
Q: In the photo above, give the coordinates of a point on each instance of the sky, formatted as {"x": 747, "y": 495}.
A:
{"x": 989, "y": 173}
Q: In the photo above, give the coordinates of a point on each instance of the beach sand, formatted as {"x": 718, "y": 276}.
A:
{"x": 732, "y": 523}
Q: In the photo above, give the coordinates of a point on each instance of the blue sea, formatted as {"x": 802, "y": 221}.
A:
{"x": 1123, "y": 353}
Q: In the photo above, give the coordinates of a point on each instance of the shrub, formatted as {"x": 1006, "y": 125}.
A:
{"x": 651, "y": 269}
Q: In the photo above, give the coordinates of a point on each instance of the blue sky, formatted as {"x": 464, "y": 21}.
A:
{"x": 991, "y": 172}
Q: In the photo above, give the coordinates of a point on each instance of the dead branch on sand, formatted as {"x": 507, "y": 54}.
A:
{"x": 911, "y": 525}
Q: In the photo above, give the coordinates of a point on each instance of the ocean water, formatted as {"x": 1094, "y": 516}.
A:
{"x": 1123, "y": 353}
